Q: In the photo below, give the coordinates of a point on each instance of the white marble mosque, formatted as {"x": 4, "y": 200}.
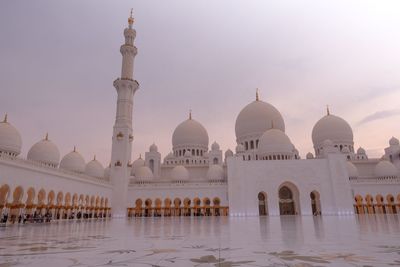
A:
{"x": 264, "y": 176}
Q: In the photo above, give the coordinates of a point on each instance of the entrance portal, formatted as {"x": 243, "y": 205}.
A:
{"x": 262, "y": 204}
{"x": 286, "y": 202}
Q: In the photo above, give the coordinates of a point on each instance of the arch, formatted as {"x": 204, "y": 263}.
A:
{"x": 30, "y": 196}
{"x": 158, "y": 203}
{"x": 315, "y": 203}
{"x": 215, "y": 161}
{"x": 216, "y": 201}
{"x": 216, "y": 206}
{"x": 60, "y": 197}
{"x": 18, "y": 194}
{"x": 262, "y": 204}
{"x": 67, "y": 200}
{"x": 167, "y": 203}
{"x": 138, "y": 203}
{"x": 391, "y": 204}
{"x": 50, "y": 198}
{"x": 4, "y": 193}
{"x": 370, "y": 204}
{"x": 41, "y": 197}
{"x": 289, "y": 199}
{"x": 196, "y": 206}
{"x": 207, "y": 205}
{"x": 187, "y": 202}
{"x": 177, "y": 202}
{"x": 380, "y": 204}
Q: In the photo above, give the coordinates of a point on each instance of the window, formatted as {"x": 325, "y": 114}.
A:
{"x": 246, "y": 145}
{"x": 193, "y": 152}
{"x": 257, "y": 143}
{"x": 215, "y": 161}
{"x": 251, "y": 144}
{"x": 249, "y": 157}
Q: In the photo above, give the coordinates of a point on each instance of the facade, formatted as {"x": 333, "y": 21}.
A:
{"x": 265, "y": 175}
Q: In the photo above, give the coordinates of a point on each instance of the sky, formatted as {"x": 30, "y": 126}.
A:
{"x": 58, "y": 61}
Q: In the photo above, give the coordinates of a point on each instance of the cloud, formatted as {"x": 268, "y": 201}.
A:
{"x": 380, "y": 115}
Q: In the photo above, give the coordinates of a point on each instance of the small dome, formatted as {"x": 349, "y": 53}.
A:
{"x": 73, "y": 161}
{"x": 309, "y": 155}
{"x": 170, "y": 155}
{"x": 256, "y": 118}
{"x": 333, "y": 128}
{"x": 215, "y": 146}
{"x": 153, "y": 148}
{"x": 94, "y": 168}
{"x": 394, "y": 141}
{"x": 10, "y": 139}
{"x": 361, "y": 151}
{"x": 239, "y": 148}
{"x": 136, "y": 165}
{"x": 45, "y": 151}
{"x": 188, "y": 154}
{"x": 107, "y": 172}
{"x": 144, "y": 173}
{"x": 215, "y": 173}
{"x": 228, "y": 153}
{"x": 352, "y": 169}
{"x": 190, "y": 133}
{"x": 385, "y": 169}
{"x": 274, "y": 142}
{"x": 180, "y": 173}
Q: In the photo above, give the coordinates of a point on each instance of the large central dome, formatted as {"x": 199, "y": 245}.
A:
{"x": 256, "y": 118}
{"x": 190, "y": 133}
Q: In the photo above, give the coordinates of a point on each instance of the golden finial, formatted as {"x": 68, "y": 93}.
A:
{"x": 46, "y": 138}
{"x": 5, "y": 118}
{"x": 190, "y": 114}
{"x": 130, "y": 19}
{"x": 257, "y": 96}
{"x": 327, "y": 110}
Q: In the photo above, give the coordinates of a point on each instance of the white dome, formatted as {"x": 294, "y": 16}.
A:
{"x": 73, "y": 161}
{"x": 45, "y": 151}
{"x": 274, "y": 142}
{"x": 144, "y": 173}
{"x": 180, "y": 173}
{"x": 361, "y": 151}
{"x": 10, "y": 139}
{"x": 239, "y": 148}
{"x": 257, "y": 117}
{"x": 94, "y": 168}
{"x": 394, "y": 141}
{"x": 190, "y": 133}
{"x": 228, "y": 153}
{"x": 136, "y": 165}
{"x": 385, "y": 169}
{"x": 153, "y": 148}
{"x": 215, "y": 173}
{"x": 352, "y": 169}
{"x": 333, "y": 128}
{"x": 107, "y": 172}
{"x": 215, "y": 146}
{"x": 309, "y": 155}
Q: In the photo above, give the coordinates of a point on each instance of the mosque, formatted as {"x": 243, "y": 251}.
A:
{"x": 264, "y": 176}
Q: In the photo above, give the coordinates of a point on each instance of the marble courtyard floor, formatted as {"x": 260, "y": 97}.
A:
{"x": 370, "y": 240}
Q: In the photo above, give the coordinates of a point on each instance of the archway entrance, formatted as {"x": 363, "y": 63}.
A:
{"x": 286, "y": 202}
{"x": 262, "y": 204}
{"x": 315, "y": 203}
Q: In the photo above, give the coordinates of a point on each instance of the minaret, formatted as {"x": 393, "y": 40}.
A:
{"x": 122, "y": 138}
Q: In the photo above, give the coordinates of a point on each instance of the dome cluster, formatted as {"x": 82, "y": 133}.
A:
{"x": 46, "y": 153}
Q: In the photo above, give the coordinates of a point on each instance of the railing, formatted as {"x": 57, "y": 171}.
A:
{"x": 31, "y": 163}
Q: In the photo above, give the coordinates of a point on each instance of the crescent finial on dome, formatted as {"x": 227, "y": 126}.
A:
{"x": 257, "y": 95}
{"x": 5, "y": 118}
{"x": 130, "y": 19}
{"x": 327, "y": 110}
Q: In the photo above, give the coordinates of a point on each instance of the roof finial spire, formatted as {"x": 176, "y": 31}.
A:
{"x": 46, "y": 138}
{"x": 257, "y": 95}
{"x": 190, "y": 114}
{"x": 5, "y": 118}
{"x": 74, "y": 148}
{"x": 130, "y": 19}
{"x": 327, "y": 110}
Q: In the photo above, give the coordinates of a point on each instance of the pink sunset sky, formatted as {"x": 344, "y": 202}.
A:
{"x": 58, "y": 60}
